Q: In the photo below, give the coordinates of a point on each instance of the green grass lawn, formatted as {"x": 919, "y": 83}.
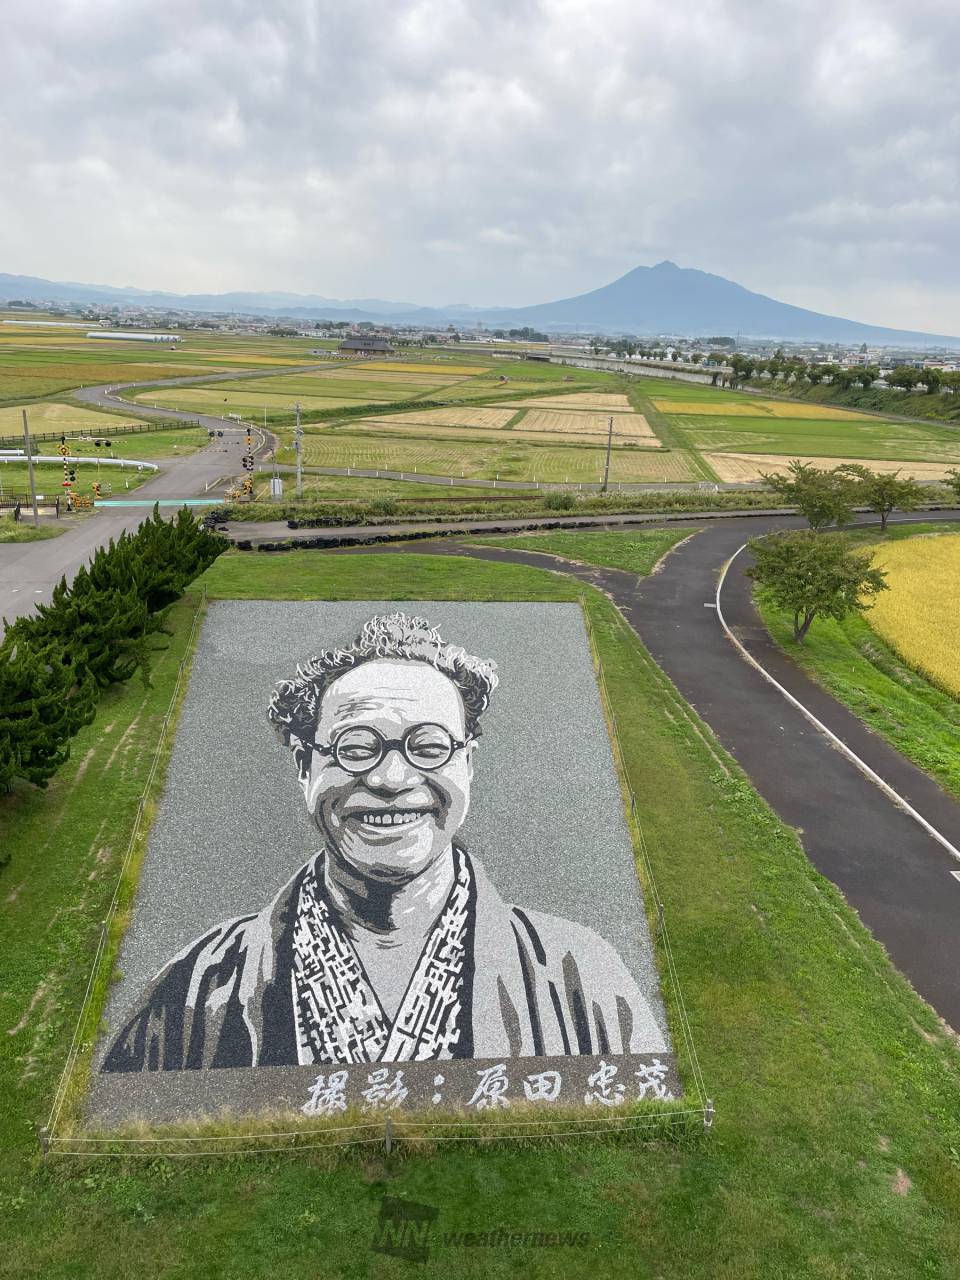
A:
{"x": 636, "y": 552}
{"x": 24, "y": 530}
{"x": 834, "y": 1150}
{"x": 863, "y": 672}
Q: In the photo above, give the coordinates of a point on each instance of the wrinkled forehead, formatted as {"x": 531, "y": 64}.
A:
{"x": 395, "y": 693}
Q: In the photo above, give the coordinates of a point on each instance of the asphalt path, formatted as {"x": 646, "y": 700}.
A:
{"x": 902, "y": 882}
{"x": 30, "y": 570}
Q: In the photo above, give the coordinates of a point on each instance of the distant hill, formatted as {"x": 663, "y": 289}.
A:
{"x": 671, "y": 299}
{"x": 665, "y": 299}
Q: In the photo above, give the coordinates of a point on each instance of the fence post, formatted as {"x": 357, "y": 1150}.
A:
{"x": 708, "y": 1112}
{"x": 43, "y": 1136}
{"x": 388, "y": 1134}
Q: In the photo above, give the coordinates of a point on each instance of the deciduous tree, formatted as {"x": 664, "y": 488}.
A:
{"x": 824, "y": 497}
{"x": 810, "y": 575}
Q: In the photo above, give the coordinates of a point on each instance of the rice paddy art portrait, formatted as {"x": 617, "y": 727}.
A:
{"x": 392, "y": 943}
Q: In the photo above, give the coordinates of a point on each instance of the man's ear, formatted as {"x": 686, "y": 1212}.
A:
{"x": 303, "y": 757}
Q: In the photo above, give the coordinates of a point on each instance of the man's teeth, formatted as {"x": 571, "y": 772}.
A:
{"x": 392, "y": 819}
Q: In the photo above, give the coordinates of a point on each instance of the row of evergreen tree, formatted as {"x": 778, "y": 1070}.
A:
{"x": 99, "y": 630}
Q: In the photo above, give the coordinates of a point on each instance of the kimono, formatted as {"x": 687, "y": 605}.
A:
{"x": 285, "y": 987}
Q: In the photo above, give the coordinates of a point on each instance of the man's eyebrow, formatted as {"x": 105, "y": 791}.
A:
{"x": 370, "y": 702}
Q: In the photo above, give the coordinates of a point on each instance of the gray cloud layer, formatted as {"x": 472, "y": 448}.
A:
{"x": 508, "y": 151}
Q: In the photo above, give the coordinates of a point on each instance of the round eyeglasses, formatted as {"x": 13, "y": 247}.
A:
{"x": 361, "y": 748}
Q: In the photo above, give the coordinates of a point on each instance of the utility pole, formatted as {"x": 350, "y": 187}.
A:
{"x": 33, "y": 487}
{"x": 298, "y": 445}
{"x": 606, "y": 469}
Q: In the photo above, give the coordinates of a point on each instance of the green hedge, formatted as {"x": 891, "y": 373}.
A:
{"x": 96, "y": 631}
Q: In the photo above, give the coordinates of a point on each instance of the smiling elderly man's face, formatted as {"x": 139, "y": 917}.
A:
{"x": 393, "y": 821}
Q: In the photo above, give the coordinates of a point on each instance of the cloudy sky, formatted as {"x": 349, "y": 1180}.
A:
{"x": 487, "y": 151}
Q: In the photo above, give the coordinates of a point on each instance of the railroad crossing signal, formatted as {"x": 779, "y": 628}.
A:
{"x": 63, "y": 450}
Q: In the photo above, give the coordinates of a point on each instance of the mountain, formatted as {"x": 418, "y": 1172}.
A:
{"x": 680, "y": 300}
{"x": 664, "y": 299}
{"x": 35, "y": 289}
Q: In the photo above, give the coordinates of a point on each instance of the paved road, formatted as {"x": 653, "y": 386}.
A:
{"x": 30, "y": 570}
{"x": 904, "y": 885}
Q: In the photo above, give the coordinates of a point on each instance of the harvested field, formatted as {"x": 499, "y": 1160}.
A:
{"x": 917, "y": 616}
{"x": 738, "y": 467}
{"x": 491, "y": 419}
{"x": 578, "y": 400}
{"x": 629, "y": 426}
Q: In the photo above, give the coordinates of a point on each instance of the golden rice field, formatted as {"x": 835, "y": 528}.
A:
{"x": 50, "y": 416}
{"x": 918, "y": 615}
{"x": 759, "y": 409}
{"x": 743, "y": 467}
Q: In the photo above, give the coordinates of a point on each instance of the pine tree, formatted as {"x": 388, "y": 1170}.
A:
{"x": 46, "y": 696}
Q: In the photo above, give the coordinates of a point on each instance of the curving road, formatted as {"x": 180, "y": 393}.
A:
{"x": 30, "y": 570}
{"x": 905, "y": 885}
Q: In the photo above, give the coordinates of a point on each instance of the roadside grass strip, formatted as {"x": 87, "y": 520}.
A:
{"x": 638, "y": 552}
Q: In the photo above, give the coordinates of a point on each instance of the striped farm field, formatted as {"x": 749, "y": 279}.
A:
{"x": 632, "y": 426}
{"x": 487, "y": 459}
{"x": 917, "y": 617}
{"x": 742, "y": 467}
{"x": 578, "y": 400}
{"x": 480, "y": 416}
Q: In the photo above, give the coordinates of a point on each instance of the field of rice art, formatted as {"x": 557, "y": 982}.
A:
{"x": 917, "y": 616}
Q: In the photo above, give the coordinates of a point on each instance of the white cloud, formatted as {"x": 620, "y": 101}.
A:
{"x": 507, "y": 152}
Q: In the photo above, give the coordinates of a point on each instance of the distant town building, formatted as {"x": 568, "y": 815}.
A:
{"x": 135, "y": 337}
{"x": 365, "y": 347}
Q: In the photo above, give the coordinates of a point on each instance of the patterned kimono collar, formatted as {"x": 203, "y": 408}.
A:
{"x": 338, "y": 1016}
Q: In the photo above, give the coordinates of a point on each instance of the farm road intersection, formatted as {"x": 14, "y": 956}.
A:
{"x": 899, "y": 879}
